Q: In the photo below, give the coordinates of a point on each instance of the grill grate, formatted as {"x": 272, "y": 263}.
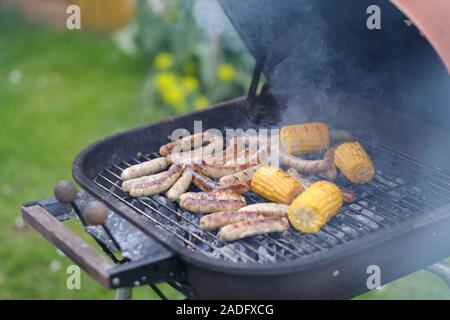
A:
{"x": 402, "y": 188}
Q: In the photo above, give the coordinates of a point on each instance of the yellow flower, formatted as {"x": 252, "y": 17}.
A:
{"x": 226, "y": 72}
{"x": 201, "y": 102}
{"x": 165, "y": 81}
{"x": 175, "y": 97}
{"x": 190, "y": 83}
{"x": 163, "y": 60}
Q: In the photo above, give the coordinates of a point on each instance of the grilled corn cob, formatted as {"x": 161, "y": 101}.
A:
{"x": 354, "y": 162}
{"x": 314, "y": 207}
{"x": 275, "y": 185}
{"x": 304, "y": 138}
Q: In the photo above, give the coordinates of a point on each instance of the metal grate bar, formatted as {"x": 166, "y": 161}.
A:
{"x": 434, "y": 173}
{"x": 273, "y": 241}
{"x": 267, "y": 237}
{"x": 248, "y": 246}
{"x": 179, "y": 215}
{"x": 171, "y": 221}
{"x": 392, "y": 169}
{"x": 361, "y": 199}
{"x": 147, "y": 216}
{"x": 203, "y": 231}
{"x": 423, "y": 184}
{"x": 396, "y": 194}
{"x": 252, "y": 197}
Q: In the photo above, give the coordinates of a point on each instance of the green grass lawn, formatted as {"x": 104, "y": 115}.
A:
{"x": 59, "y": 92}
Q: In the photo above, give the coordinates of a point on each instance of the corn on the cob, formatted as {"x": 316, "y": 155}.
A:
{"x": 275, "y": 185}
{"x": 304, "y": 138}
{"x": 354, "y": 162}
{"x": 315, "y": 206}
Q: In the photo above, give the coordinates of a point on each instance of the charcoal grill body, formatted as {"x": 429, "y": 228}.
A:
{"x": 378, "y": 87}
{"x": 339, "y": 272}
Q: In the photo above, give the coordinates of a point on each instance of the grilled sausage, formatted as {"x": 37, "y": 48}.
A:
{"x": 220, "y": 170}
{"x": 150, "y": 185}
{"x": 240, "y": 187}
{"x": 274, "y": 208}
{"x": 206, "y": 184}
{"x": 187, "y": 157}
{"x": 348, "y": 195}
{"x": 189, "y": 142}
{"x": 330, "y": 171}
{"x": 220, "y": 219}
{"x": 192, "y": 149}
{"x": 128, "y": 184}
{"x": 243, "y": 154}
{"x": 302, "y": 180}
{"x": 204, "y": 153}
{"x": 201, "y": 181}
{"x": 241, "y": 157}
{"x": 241, "y": 176}
{"x": 179, "y": 187}
{"x": 196, "y": 156}
{"x": 326, "y": 165}
{"x": 244, "y": 229}
{"x": 229, "y": 154}
{"x": 207, "y": 202}
{"x": 145, "y": 168}
{"x": 247, "y": 156}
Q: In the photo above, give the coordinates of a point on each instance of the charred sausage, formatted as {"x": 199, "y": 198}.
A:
{"x": 201, "y": 181}
{"x": 207, "y": 202}
{"x": 241, "y": 176}
{"x": 220, "y": 219}
{"x": 220, "y": 170}
{"x": 206, "y": 184}
{"x": 244, "y": 229}
{"x": 240, "y": 187}
{"x": 325, "y": 165}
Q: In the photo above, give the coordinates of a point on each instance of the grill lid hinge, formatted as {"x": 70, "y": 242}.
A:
{"x": 253, "y": 89}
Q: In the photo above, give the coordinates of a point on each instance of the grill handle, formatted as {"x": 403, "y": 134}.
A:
{"x": 162, "y": 266}
{"x": 68, "y": 242}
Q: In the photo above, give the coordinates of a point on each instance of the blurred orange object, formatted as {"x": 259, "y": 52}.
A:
{"x": 432, "y": 18}
{"x": 100, "y": 15}
{"x": 105, "y": 15}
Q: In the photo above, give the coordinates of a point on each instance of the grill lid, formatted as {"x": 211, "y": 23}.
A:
{"x": 318, "y": 52}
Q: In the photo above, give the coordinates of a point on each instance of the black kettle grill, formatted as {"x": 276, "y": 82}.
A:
{"x": 320, "y": 63}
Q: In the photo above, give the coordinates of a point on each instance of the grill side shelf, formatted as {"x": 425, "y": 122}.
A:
{"x": 69, "y": 243}
{"x": 160, "y": 267}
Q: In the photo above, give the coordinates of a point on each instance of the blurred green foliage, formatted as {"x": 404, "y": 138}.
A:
{"x": 191, "y": 62}
{"x": 59, "y": 92}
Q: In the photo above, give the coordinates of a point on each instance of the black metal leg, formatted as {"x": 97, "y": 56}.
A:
{"x": 124, "y": 294}
{"x": 441, "y": 270}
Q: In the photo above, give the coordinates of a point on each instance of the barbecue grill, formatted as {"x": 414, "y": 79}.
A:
{"x": 321, "y": 62}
